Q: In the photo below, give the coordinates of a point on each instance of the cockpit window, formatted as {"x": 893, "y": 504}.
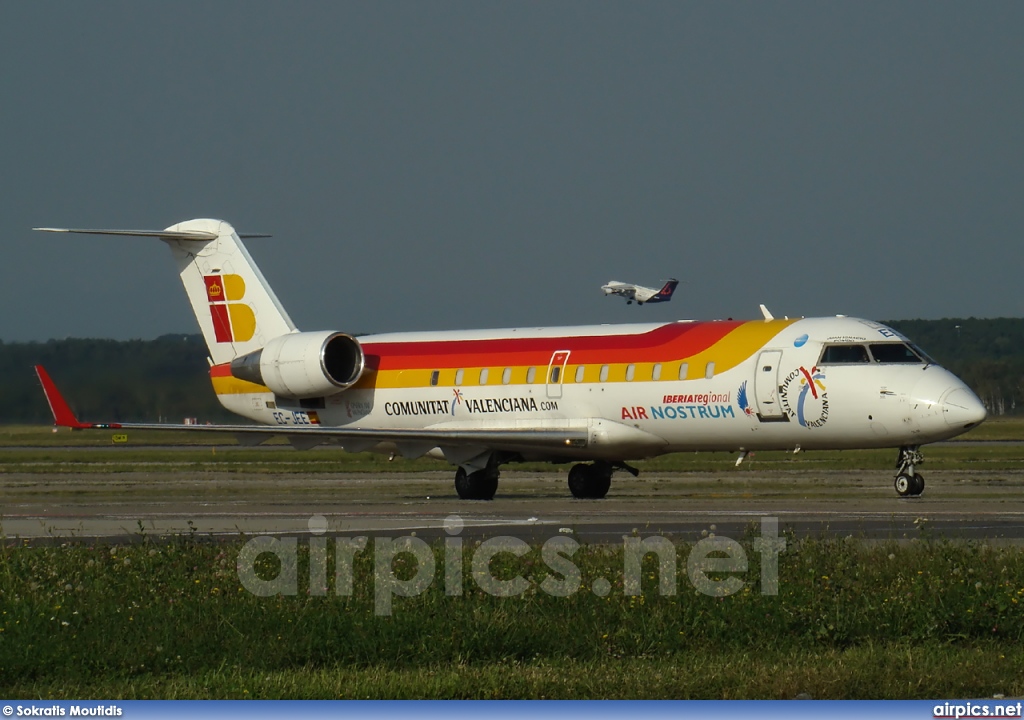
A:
{"x": 844, "y": 355}
{"x": 894, "y": 353}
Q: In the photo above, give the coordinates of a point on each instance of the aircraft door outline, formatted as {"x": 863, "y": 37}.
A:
{"x": 556, "y": 373}
{"x": 766, "y": 386}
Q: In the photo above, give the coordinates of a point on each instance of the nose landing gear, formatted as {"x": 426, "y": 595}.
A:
{"x": 908, "y": 483}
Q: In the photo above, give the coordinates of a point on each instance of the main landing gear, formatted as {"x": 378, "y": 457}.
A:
{"x": 591, "y": 482}
{"x": 909, "y": 483}
{"x": 479, "y": 485}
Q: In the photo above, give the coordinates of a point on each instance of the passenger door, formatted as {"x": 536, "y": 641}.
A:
{"x": 766, "y": 385}
{"x": 556, "y": 373}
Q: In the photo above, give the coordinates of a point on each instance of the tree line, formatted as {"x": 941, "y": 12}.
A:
{"x": 167, "y": 379}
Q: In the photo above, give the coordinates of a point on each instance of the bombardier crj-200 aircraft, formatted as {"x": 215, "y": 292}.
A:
{"x": 598, "y": 396}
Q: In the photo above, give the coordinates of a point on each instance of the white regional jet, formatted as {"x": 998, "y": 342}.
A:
{"x": 597, "y": 396}
{"x": 640, "y": 293}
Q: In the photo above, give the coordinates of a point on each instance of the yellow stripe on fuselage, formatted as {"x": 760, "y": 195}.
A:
{"x": 228, "y": 385}
{"x": 736, "y": 347}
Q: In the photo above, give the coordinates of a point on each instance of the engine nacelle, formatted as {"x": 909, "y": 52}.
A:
{"x": 304, "y": 365}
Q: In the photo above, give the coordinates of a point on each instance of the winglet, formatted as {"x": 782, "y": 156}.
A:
{"x": 62, "y": 414}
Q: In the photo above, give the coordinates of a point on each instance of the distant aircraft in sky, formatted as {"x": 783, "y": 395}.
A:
{"x": 640, "y": 293}
{"x": 597, "y": 396}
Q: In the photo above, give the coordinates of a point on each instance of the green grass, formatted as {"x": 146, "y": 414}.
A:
{"x": 333, "y": 460}
{"x": 895, "y": 670}
{"x": 911, "y": 620}
{"x": 997, "y": 428}
{"x": 44, "y": 436}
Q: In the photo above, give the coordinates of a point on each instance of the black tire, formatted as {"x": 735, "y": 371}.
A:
{"x": 462, "y": 484}
{"x": 599, "y": 483}
{"x": 588, "y": 482}
{"x": 904, "y": 485}
{"x": 578, "y": 485}
{"x": 918, "y": 485}
{"x": 480, "y": 485}
{"x": 485, "y": 484}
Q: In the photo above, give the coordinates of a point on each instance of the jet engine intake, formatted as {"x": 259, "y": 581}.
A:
{"x": 304, "y": 365}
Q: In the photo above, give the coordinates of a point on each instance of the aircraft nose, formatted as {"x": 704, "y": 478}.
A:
{"x": 961, "y": 408}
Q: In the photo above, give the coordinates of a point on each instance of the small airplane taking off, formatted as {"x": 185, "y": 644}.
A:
{"x": 640, "y": 293}
{"x": 597, "y": 396}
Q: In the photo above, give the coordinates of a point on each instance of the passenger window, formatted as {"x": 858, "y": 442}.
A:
{"x": 604, "y": 373}
{"x": 555, "y": 372}
{"x": 506, "y": 376}
{"x": 630, "y": 371}
{"x": 709, "y": 370}
{"x": 579, "y": 374}
{"x": 458, "y": 376}
{"x": 434, "y": 377}
{"x": 656, "y": 372}
{"x": 483, "y": 376}
{"x": 531, "y": 374}
{"x": 684, "y": 370}
{"x": 844, "y": 355}
{"x": 893, "y": 353}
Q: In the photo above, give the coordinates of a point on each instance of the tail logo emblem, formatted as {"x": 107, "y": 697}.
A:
{"x": 233, "y": 321}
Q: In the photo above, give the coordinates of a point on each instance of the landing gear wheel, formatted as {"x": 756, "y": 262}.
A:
{"x": 600, "y": 484}
{"x": 462, "y": 486}
{"x": 486, "y": 483}
{"x": 904, "y": 485}
{"x": 917, "y": 486}
{"x": 589, "y": 482}
{"x": 578, "y": 480}
{"x": 480, "y": 485}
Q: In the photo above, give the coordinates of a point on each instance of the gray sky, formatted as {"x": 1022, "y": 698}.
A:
{"x": 436, "y": 165}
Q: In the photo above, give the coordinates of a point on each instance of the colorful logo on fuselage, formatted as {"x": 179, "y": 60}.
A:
{"x": 810, "y": 408}
{"x": 233, "y": 321}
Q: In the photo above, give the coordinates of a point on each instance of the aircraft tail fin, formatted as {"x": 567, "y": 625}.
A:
{"x": 666, "y": 291}
{"x": 236, "y": 309}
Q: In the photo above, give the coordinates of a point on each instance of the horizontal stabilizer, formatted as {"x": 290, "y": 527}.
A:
{"x": 163, "y": 234}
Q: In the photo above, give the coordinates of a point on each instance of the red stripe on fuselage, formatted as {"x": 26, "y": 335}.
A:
{"x": 220, "y": 370}
{"x": 668, "y": 342}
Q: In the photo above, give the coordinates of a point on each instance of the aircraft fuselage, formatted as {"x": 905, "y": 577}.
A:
{"x": 645, "y": 390}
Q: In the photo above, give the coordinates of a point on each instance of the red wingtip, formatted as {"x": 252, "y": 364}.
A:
{"x": 62, "y": 414}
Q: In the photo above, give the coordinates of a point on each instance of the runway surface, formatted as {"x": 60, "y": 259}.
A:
{"x": 122, "y": 507}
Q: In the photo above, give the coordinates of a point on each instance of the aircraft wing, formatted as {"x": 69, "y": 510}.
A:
{"x": 452, "y": 438}
{"x": 614, "y": 287}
